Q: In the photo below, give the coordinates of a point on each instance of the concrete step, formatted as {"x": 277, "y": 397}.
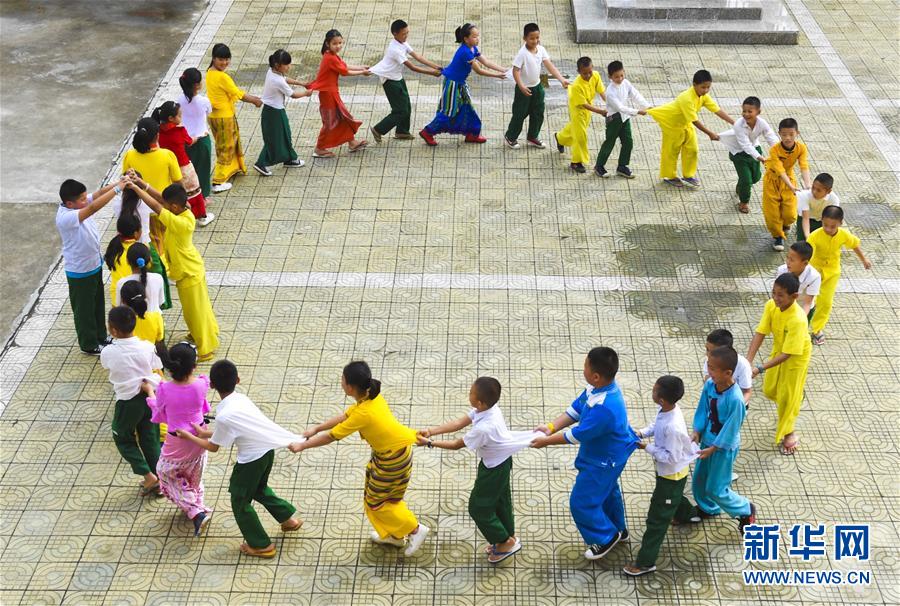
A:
{"x": 684, "y": 9}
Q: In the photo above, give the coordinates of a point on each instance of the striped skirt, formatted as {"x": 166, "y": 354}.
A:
{"x": 387, "y": 476}
{"x": 455, "y": 113}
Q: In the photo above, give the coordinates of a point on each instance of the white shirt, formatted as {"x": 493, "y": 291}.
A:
{"x": 810, "y": 280}
{"x": 80, "y": 242}
{"x": 672, "y": 448}
{"x": 240, "y": 422}
{"x": 743, "y": 373}
{"x": 529, "y": 64}
{"x": 624, "y": 99}
{"x": 742, "y": 138}
{"x": 143, "y": 213}
{"x": 155, "y": 290}
{"x": 276, "y": 90}
{"x": 194, "y": 113}
{"x": 806, "y": 201}
{"x": 391, "y": 66}
{"x": 491, "y": 440}
{"x": 130, "y": 361}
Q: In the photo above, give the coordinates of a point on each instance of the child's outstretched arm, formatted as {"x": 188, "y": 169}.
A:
{"x": 702, "y": 127}
{"x": 594, "y": 108}
{"x": 517, "y": 76}
{"x": 724, "y": 115}
{"x": 862, "y": 257}
{"x": 456, "y": 444}
{"x": 324, "y": 425}
{"x": 358, "y": 70}
{"x": 145, "y": 197}
{"x": 101, "y": 198}
{"x": 423, "y": 61}
{"x": 201, "y": 439}
{"x": 433, "y": 71}
{"x": 490, "y": 64}
{"x": 555, "y": 73}
{"x": 448, "y": 427}
{"x": 486, "y": 72}
{"x": 314, "y": 442}
{"x": 248, "y": 98}
{"x": 805, "y": 217}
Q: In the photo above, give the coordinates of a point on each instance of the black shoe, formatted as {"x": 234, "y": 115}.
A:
{"x": 296, "y": 163}
{"x": 200, "y": 520}
{"x": 745, "y": 521}
{"x": 595, "y": 552}
{"x": 559, "y": 147}
{"x": 624, "y": 171}
{"x": 778, "y": 244}
{"x": 624, "y": 534}
{"x": 601, "y": 171}
{"x": 263, "y": 170}
{"x": 578, "y": 167}
{"x": 637, "y": 571}
{"x": 106, "y": 341}
{"x": 703, "y": 515}
{"x": 92, "y": 352}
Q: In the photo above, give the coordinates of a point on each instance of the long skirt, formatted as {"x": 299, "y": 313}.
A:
{"x": 191, "y": 183}
{"x": 180, "y": 472}
{"x": 229, "y": 153}
{"x": 338, "y": 125}
{"x": 198, "y": 313}
{"x": 276, "y": 132}
{"x": 158, "y": 267}
{"x": 200, "y": 154}
{"x": 387, "y": 476}
{"x": 455, "y": 113}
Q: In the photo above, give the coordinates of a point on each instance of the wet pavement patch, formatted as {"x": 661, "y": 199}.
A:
{"x": 689, "y": 313}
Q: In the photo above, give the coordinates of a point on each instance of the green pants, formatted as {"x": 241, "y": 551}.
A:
{"x": 490, "y": 503}
{"x": 616, "y": 129}
{"x": 401, "y": 108}
{"x": 157, "y": 267}
{"x": 133, "y": 417}
{"x": 667, "y": 503}
{"x": 527, "y": 107}
{"x": 89, "y": 309}
{"x": 749, "y": 172}
{"x": 813, "y": 226}
{"x": 249, "y": 482}
{"x": 200, "y": 154}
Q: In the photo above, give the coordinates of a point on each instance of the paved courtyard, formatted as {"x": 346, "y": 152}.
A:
{"x": 439, "y": 265}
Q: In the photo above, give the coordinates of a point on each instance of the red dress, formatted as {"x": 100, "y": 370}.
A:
{"x": 338, "y": 126}
{"x": 176, "y": 139}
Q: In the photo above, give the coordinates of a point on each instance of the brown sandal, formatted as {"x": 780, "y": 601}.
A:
{"x": 285, "y": 527}
{"x": 744, "y": 208}
{"x": 266, "y": 552}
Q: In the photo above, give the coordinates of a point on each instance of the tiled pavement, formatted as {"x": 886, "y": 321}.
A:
{"x": 440, "y": 265}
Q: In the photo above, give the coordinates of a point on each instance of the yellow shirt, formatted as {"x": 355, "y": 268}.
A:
{"x": 222, "y": 93}
{"x": 376, "y": 424}
{"x": 788, "y": 328}
{"x": 782, "y": 161}
{"x": 183, "y": 258}
{"x": 150, "y": 327}
{"x": 826, "y": 257}
{"x": 583, "y": 91}
{"x": 683, "y": 110}
{"x": 121, "y": 270}
{"x": 158, "y": 167}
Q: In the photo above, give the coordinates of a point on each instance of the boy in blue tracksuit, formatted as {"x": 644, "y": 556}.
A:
{"x": 605, "y": 440}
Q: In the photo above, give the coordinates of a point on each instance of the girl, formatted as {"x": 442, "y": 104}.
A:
{"x": 179, "y": 404}
{"x": 276, "y": 130}
{"x": 388, "y": 471}
{"x": 149, "y": 326}
{"x": 455, "y": 113}
{"x": 175, "y": 138}
{"x": 338, "y": 126}
{"x": 128, "y": 227}
{"x": 194, "y": 110}
{"x": 140, "y": 260}
{"x": 223, "y": 95}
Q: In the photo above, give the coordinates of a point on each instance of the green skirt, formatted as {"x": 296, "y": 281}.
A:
{"x": 276, "y": 132}
{"x": 157, "y": 267}
{"x": 200, "y": 154}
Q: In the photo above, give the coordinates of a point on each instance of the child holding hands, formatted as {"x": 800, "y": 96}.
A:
{"x": 581, "y": 108}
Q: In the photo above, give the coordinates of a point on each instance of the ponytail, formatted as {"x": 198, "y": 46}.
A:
{"x": 463, "y": 32}
{"x": 279, "y": 57}
{"x": 189, "y": 81}
{"x": 165, "y": 112}
{"x": 134, "y": 296}
{"x": 139, "y": 258}
{"x": 130, "y": 201}
{"x": 145, "y": 135}
{"x": 127, "y": 225}
{"x": 329, "y": 36}
{"x": 359, "y": 375}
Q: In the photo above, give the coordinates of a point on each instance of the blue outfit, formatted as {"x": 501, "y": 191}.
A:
{"x": 606, "y": 441}
{"x": 718, "y": 420}
{"x": 455, "y": 113}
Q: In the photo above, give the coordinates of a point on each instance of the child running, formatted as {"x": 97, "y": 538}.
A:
{"x": 779, "y": 200}
{"x": 128, "y": 232}
{"x": 798, "y": 257}
{"x": 390, "y": 467}
{"x": 744, "y": 151}
{"x": 811, "y": 202}
{"x": 195, "y": 108}
{"x": 581, "y": 98}
{"x": 623, "y": 102}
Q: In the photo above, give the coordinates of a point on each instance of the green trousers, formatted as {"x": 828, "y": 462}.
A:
{"x": 401, "y": 108}
{"x": 616, "y": 129}
{"x": 157, "y": 267}
{"x": 133, "y": 417}
{"x": 200, "y": 154}
{"x": 490, "y": 503}
{"x": 89, "y": 308}
{"x": 813, "y": 226}
{"x": 249, "y": 482}
{"x": 749, "y": 172}
{"x": 667, "y": 503}
{"x": 527, "y": 107}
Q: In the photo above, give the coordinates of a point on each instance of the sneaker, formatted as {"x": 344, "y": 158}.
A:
{"x": 734, "y": 476}
{"x": 636, "y": 571}
{"x": 595, "y": 552}
{"x": 294, "y": 163}
{"x": 375, "y": 134}
{"x": 601, "y": 172}
{"x": 748, "y": 519}
{"x": 429, "y": 140}
{"x": 691, "y": 182}
{"x": 218, "y": 188}
{"x": 476, "y": 139}
{"x": 786, "y": 229}
{"x": 704, "y": 515}
{"x": 388, "y": 540}
{"x": 536, "y": 143}
{"x": 578, "y": 167}
{"x": 263, "y": 170}
{"x": 93, "y": 352}
{"x": 107, "y": 341}
{"x": 204, "y": 221}
{"x": 778, "y": 244}
{"x": 625, "y": 534}
{"x": 624, "y": 171}
{"x": 559, "y": 146}
{"x": 403, "y": 136}
{"x": 673, "y": 182}
{"x": 818, "y": 338}
{"x": 511, "y": 143}
{"x": 200, "y": 520}
{"x": 416, "y": 539}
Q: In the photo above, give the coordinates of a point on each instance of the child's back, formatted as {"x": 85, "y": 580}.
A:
{"x": 129, "y": 361}
{"x": 180, "y": 405}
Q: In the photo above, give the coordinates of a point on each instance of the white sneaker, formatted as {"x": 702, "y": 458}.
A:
{"x": 209, "y": 218}
{"x": 218, "y": 188}
{"x": 388, "y": 540}
{"x": 416, "y": 539}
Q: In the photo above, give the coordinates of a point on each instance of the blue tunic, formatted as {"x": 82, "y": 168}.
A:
{"x": 461, "y": 65}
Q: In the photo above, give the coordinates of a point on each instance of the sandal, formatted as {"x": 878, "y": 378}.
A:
{"x": 744, "y": 208}
{"x": 788, "y": 450}
{"x": 358, "y": 146}
{"x": 495, "y": 557}
{"x": 148, "y": 490}
{"x": 292, "y": 527}
{"x": 324, "y": 154}
{"x": 266, "y": 553}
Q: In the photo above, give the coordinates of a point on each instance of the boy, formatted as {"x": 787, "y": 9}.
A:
{"x": 811, "y": 202}
{"x": 490, "y": 503}
{"x": 673, "y": 452}
{"x": 390, "y": 68}
{"x": 131, "y": 361}
{"x": 605, "y": 441}
{"x": 81, "y": 259}
{"x": 785, "y": 370}
{"x": 676, "y": 119}
{"x": 622, "y": 102}
{"x": 743, "y": 373}
{"x": 581, "y": 96}
{"x": 810, "y": 281}
{"x": 827, "y": 242}
{"x": 240, "y": 422}
{"x": 528, "y": 101}
{"x": 779, "y": 201}
{"x": 742, "y": 142}
{"x": 717, "y": 428}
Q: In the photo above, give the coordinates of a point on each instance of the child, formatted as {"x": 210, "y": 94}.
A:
{"x": 827, "y": 242}
{"x": 490, "y": 503}
{"x": 140, "y": 261}
{"x": 128, "y": 228}
{"x": 581, "y": 96}
{"x": 810, "y": 281}
{"x": 389, "y": 469}
{"x": 223, "y": 96}
{"x": 390, "y": 69}
{"x": 779, "y": 200}
{"x": 455, "y": 113}
{"x": 677, "y": 119}
{"x": 240, "y": 422}
{"x": 181, "y": 404}
{"x": 717, "y": 429}
{"x": 81, "y": 259}
{"x": 276, "y": 129}
{"x": 744, "y": 151}
{"x": 786, "y": 367}
{"x": 149, "y": 325}
{"x": 811, "y": 202}
{"x": 131, "y": 361}
{"x": 605, "y": 441}
{"x": 673, "y": 452}
{"x": 623, "y": 102}
{"x": 338, "y": 126}
{"x": 528, "y": 101}
{"x": 195, "y": 108}
{"x": 743, "y": 372}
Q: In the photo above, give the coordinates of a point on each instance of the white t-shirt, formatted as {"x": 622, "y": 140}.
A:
{"x": 743, "y": 373}
{"x": 80, "y": 242}
{"x": 672, "y": 448}
{"x": 143, "y": 213}
{"x": 741, "y": 138}
{"x": 155, "y": 289}
{"x": 130, "y": 361}
{"x": 194, "y": 113}
{"x": 240, "y": 422}
{"x": 391, "y": 66}
{"x": 624, "y": 99}
{"x": 810, "y": 280}
{"x": 276, "y": 90}
{"x": 529, "y": 64}
{"x": 805, "y": 201}
{"x": 491, "y": 440}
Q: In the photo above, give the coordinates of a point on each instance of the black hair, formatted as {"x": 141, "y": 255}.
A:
{"x": 670, "y": 388}
{"x": 122, "y": 318}
{"x": 487, "y": 389}
{"x": 530, "y": 27}
{"x": 727, "y": 356}
{"x": 804, "y": 249}
{"x": 189, "y": 80}
{"x": 614, "y": 66}
{"x": 126, "y": 225}
{"x": 754, "y": 101}
{"x": 138, "y": 257}
{"x": 70, "y": 190}
{"x": 358, "y": 374}
{"x": 720, "y": 338}
{"x": 181, "y": 360}
{"x": 463, "y": 31}
{"x": 789, "y": 282}
{"x": 130, "y": 202}
{"x": 701, "y": 76}
{"x": 165, "y": 112}
{"x": 223, "y": 376}
{"x": 583, "y": 62}
{"x": 788, "y": 123}
{"x": 833, "y": 212}
{"x": 176, "y": 194}
{"x": 329, "y": 35}
{"x": 398, "y": 25}
{"x": 279, "y": 57}
{"x": 134, "y": 295}
{"x": 145, "y": 133}
{"x": 604, "y": 361}
{"x": 825, "y": 179}
{"x": 220, "y": 51}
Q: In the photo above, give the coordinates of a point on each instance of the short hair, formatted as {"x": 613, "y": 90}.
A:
{"x": 223, "y": 376}
{"x": 788, "y": 123}
{"x": 720, "y": 338}
{"x": 833, "y": 212}
{"x": 487, "y": 389}
{"x": 702, "y": 76}
{"x": 583, "y": 62}
{"x": 398, "y": 26}
{"x": 804, "y": 249}
{"x": 122, "y": 318}
{"x": 727, "y": 356}
{"x": 175, "y": 194}
{"x": 825, "y": 179}
{"x": 530, "y": 27}
{"x": 70, "y": 190}
{"x": 754, "y": 101}
{"x": 604, "y": 361}
{"x": 789, "y": 282}
{"x": 670, "y": 388}
{"x": 613, "y": 67}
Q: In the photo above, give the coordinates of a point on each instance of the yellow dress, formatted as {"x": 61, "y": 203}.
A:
{"x": 779, "y": 203}
{"x": 575, "y": 133}
{"x": 679, "y": 136}
{"x": 121, "y": 270}
{"x": 150, "y": 328}
{"x": 784, "y": 383}
{"x": 826, "y": 260}
{"x": 223, "y": 94}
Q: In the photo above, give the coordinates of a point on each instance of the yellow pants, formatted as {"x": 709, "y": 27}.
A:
{"x": 198, "y": 314}
{"x": 392, "y": 519}
{"x": 575, "y": 135}
{"x": 678, "y": 142}
{"x": 825, "y": 300}
{"x": 783, "y": 384}
{"x": 779, "y": 204}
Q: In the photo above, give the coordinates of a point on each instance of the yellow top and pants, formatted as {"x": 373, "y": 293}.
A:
{"x": 779, "y": 203}
{"x": 826, "y": 260}
{"x": 575, "y": 133}
{"x": 679, "y": 135}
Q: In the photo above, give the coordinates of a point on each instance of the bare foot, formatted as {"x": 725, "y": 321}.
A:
{"x": 291, "y": 524}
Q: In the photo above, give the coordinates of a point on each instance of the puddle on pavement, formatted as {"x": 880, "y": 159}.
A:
{"x": 690, "y": 314}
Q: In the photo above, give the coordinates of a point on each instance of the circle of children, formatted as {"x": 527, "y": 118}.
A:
{"x": 161, "y": 197}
